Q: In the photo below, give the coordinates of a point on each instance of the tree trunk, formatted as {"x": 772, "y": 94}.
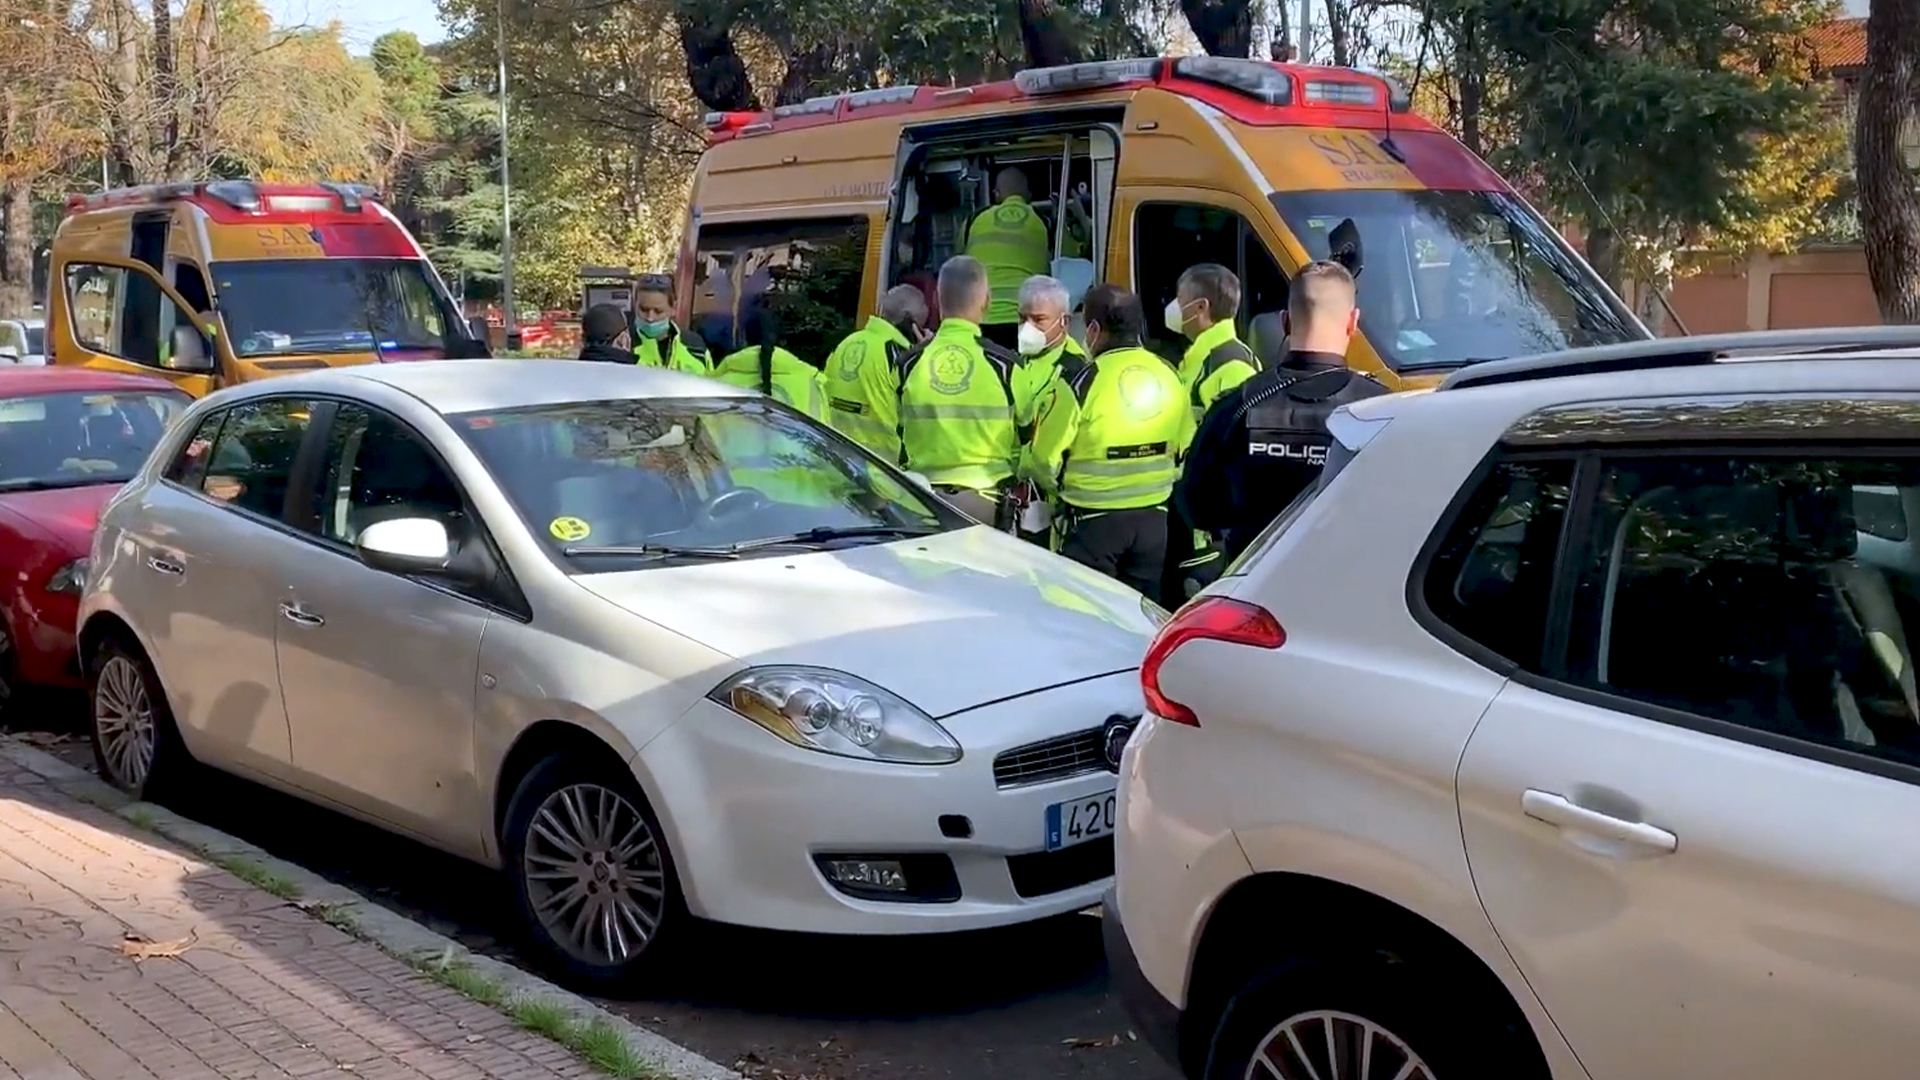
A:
{"x": 806, "y": 71}
{"x": 1224, "y": 27}
{"x": 1889, "y": 204}
{"x": 205, "y": 46}
{"x": 166, "y": 92}
{"x": 126, "y": 147}
{"x": 1473, "y": 90}
{"x": 1340, "y": 32}
{"x": 1043, "y": 33}
{"x": 16, "y": 254}
{"x": 1603, "y": 254}
{"x": 714, "y": 69}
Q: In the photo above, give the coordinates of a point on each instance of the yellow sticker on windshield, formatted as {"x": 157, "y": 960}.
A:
{"x": 569, "y": 529}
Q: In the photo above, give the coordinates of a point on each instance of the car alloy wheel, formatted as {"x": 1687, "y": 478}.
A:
{"x": 594, "y": 874}
{"x": 123, "y": 722}
{"x": 1327, "y": 1044}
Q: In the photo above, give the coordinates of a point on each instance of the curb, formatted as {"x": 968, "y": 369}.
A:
{"x": 369, "y": 921}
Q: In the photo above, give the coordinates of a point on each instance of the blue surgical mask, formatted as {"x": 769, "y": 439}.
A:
{"x": 654, "y": 331}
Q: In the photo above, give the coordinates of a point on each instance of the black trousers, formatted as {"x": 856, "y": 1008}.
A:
{"x": 1130, "y": 545}
{"x": 1005, "y": 335}
{"x": 1187, "y": 570}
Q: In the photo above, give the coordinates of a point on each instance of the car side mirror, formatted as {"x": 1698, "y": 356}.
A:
{"x": 478, "y": 328}
{"x": 921, "y": 482}
{"x": 9, "y": 353}
{"x": 405, "y": 546}
{"x": 190, "y": 354}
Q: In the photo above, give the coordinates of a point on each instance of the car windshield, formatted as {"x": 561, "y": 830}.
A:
{"x": 36, "y": 341}
{"x": 81, "y": 437}
{"x": 609, "y": 483}
{"x": 1456, "y": 277}
{"x": 314, "y": 306}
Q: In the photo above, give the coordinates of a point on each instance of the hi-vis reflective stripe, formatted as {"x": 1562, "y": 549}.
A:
{"x": 1158, "y": 463}
{"x": 956, "y": 412}
{"x": 978, "y": 477}
{"x": 863, "y": 427}
{"x": 1152, "y": 478}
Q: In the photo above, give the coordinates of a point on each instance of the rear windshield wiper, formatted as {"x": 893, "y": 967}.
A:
{"x": 824, "y": 535}
{"x": 649, "y": 551}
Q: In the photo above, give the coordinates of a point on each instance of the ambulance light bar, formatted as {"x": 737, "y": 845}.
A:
{"x": 1365, "y": 95}
{"x": 1261, "y": 81}
{"x": 892, "y": 95}
{"x": 1068, "y": 78}
{"x": 809, "y": 107}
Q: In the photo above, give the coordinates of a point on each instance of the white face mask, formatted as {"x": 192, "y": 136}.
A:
{"x": 1031, "y": 341}
{"x": 1176, "y": 318}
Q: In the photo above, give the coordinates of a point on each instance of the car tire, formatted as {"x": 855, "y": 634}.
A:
{"x": 631, "y": 886}
{"x": 1405, "y": 1014}
{"x": 136, "y": 746}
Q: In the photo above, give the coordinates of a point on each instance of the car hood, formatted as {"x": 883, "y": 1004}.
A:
{"x": 948, "y": 622}
{"x": 67, "y": 514}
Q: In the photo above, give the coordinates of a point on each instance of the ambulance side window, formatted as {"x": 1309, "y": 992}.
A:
{"x": 1170, "y": 237}
{"x": 812, "y": 269}
{"x": 191, "y": 284}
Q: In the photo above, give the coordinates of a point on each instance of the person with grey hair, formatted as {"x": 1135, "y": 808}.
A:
{"x": 956, "y": 401}
{"x": 1043, "y": 340}
{"x": 863, "y": 374}
{"x": 1206, "y": 302}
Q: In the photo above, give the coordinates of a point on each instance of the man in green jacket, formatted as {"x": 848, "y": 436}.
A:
{"x": 956, "y": 400}
{"x": 1012, "y": 241}
{"x": 1206, "y": 302}
{"x": 863, "y": 374}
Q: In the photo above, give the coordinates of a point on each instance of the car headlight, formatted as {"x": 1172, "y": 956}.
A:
{"x": 1155, "y": 614}
{"x": 70, "y": 579}
{"x": 836, "y": 713}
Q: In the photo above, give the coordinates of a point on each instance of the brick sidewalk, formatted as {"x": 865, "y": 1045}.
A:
{"x": 265, "y": 990}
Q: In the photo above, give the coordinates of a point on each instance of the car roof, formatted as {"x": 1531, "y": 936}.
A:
{"x": 460, "y": 386}
{"x": 27, "y": 381}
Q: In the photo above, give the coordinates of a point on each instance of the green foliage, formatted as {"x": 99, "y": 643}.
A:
{"x": 807, "y": 301}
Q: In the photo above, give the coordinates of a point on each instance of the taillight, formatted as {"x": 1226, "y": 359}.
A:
{"x": 1210, "y": 618}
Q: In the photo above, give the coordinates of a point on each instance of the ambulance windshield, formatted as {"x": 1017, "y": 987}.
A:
{"x": 1456, "y": 277}
{"x": 319, "y": 306}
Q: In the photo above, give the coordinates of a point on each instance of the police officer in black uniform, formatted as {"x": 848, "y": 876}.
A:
{"x": 1263, "y": 442}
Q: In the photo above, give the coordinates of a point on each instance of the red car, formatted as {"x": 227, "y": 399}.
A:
{"x": 69, "y": 438}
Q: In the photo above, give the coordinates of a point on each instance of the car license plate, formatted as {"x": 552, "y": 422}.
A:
{"x": 1076, "y": 822}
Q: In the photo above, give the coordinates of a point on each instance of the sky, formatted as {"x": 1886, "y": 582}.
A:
{"x": 364, "y": 19}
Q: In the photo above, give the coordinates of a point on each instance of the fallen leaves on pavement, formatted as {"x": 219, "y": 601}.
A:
{"x": 141, "y": 948}
{"x": 1091, "y": 1044}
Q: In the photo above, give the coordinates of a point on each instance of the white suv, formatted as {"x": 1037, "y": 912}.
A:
{"x": 1567, "y": 728}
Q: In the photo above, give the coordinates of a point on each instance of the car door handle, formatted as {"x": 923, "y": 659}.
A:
{"x": 1558, "y": 810}
{"x": 299, "y": 614}
{"x": 172, "y": 568}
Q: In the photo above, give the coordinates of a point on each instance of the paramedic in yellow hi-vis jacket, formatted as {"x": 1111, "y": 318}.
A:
{"x": 863, "y": 374}
{"x": 1108, "y": 443}
{"x": 1206, "y": 302}
{"x": 756, "y": 456}
{"x": 657, "y": 342}
{"x": 1012, "y": 241}
{"x": 956, "y": 401}
{"x": 1043, "y": 341}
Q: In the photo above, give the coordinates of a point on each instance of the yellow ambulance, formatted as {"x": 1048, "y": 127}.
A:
{"x": 1261, "y": 167}
{"x": 229, "y": 281}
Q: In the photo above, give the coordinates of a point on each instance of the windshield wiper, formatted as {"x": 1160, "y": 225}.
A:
{"x": 649, "y": 551}
{"x": 824, "y": 534}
